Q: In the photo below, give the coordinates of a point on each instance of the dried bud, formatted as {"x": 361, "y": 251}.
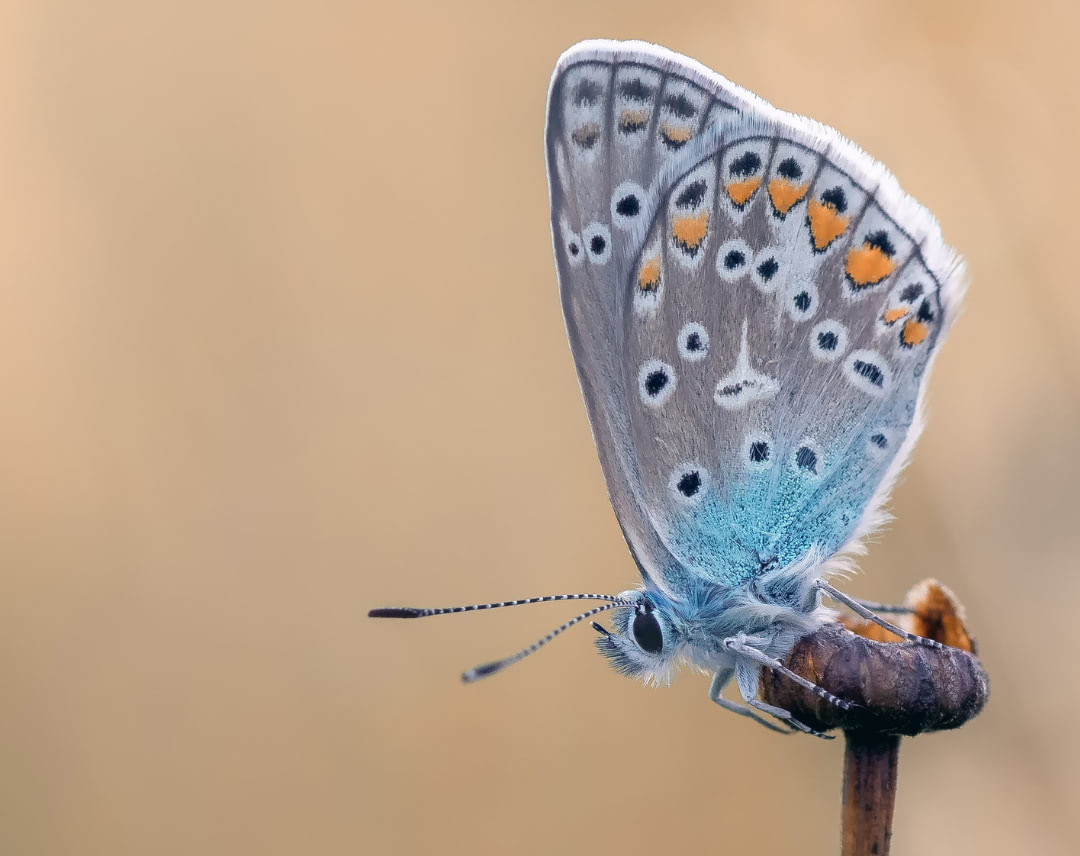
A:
{"x": 902, "y": 687}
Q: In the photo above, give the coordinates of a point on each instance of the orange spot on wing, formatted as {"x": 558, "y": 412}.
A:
{"x": 678, "y": 135}
{"x": 914, "y": 333}
{"x": 649, "y": 278}
{"x": 633, "y": 120}
{"x": 674, "y": 134}
{"x": 784, "y": 193}
{"x": 826, "y": 223}
{"x": 689, "y": 232}
{"x": 586, "y": 136}
{"x": 891, "y": 316}
{"x": 868, "y": 265}
{"x": 741, "y": 191}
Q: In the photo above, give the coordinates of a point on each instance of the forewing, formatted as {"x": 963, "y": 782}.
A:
{"x": 754, "y": 350}
{"x": 611, "y": 129}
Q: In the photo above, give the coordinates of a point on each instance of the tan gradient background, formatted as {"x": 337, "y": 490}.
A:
{"x": 280, "y": 342}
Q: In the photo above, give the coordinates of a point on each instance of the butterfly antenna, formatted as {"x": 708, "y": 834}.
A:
{"x": 412, "y": 612}
{"x": 498, "y": 665}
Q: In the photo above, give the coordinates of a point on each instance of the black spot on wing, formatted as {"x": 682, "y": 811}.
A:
{"x": 636, "y": 90}
{"x": 912, "y": 292}
{"x": 789, "y": 168}
{"x": 680, "y": 105}
{"x": 835, "y": 197}
{"x": 806, "y": 459}
{"x": 767, "y": 269}
{"x": 879, "y": 240}
{"x": 745, "y": 164}
{"x": 628, "y": 206}
{"x": 869, "y": 371}
{"x": 827, "y": 341}
{"x": 655, "y": 382}
{"x": 693, "y": 195}
{"x": 587, "y": 93}
{"x": 689, "y": 484}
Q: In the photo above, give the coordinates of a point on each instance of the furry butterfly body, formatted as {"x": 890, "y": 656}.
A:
{"x": 753, "y": 306}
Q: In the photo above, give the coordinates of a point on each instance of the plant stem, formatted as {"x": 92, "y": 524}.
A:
{"x": 870, "y": 764}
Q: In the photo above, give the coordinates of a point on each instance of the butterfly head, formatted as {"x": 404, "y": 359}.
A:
{"x": 643, "y": 642}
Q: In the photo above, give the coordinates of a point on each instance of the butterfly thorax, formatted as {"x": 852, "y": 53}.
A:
{"x": 659, "y": 631}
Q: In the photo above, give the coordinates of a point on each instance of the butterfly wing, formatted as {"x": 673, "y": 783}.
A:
{"x": 753, "y": 327}
{"x": 601, "y": 135}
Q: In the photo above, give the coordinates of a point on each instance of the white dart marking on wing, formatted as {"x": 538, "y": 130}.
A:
{"x": 744, "y": 384}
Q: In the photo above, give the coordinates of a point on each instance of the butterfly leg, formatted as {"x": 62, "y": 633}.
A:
{"x": 869, "y": 615}
{"x": 747, "y": 675}
{"x": 874, "y": 606}
{"x": 738, "y": 647}
{"x": 719, "y": 681}
{"x": 786, "y": 716}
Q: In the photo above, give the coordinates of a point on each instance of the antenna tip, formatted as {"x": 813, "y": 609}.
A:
{"x": 482, "y": 671}
{"x": 395, "y": 612}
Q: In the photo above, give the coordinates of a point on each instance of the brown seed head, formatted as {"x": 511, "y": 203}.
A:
{"x": 903, "y": 687}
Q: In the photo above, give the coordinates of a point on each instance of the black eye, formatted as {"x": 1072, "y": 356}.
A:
{"x": 647, "y": 633}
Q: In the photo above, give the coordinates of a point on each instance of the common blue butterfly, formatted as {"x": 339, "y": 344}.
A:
{"x": 753, "y": 306}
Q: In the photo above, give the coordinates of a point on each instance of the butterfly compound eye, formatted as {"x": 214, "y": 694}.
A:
{"x": 647, "y": 633}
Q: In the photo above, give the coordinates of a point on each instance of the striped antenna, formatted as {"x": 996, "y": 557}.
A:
{"x": 498, "y": 665}
{"x": 412, "y": 612}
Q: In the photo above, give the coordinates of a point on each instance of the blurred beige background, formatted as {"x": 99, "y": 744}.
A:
{"x": 280, "y": 341}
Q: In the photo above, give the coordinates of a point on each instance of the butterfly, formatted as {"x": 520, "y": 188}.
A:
{"x": 753, "y": 306}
